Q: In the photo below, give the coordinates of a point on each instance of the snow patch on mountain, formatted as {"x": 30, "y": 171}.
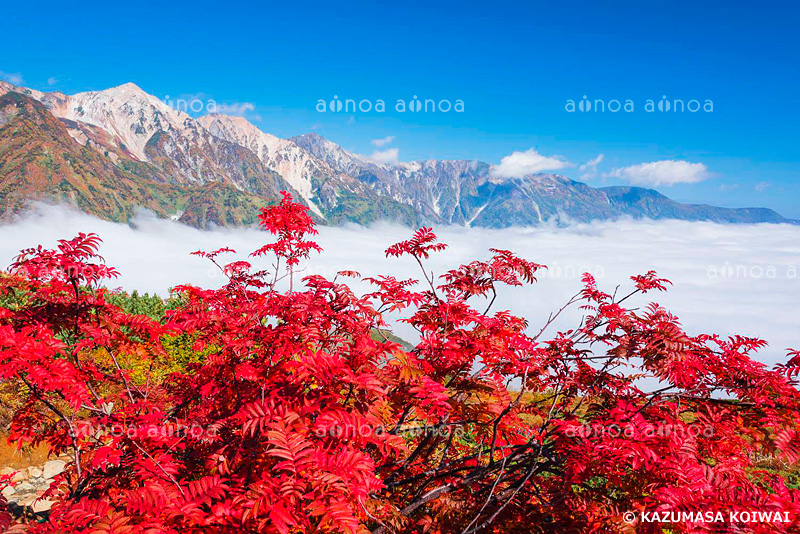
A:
{"x": 293, "y": 163}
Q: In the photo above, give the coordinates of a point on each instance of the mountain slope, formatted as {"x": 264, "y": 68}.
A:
{"x": 139, "y": 127}
{"x": 41, "y": 159}
{"x": 640, "y": 202}
{"x": 333, "y": 194}
{"x": 464, "y": 192}
{"x": 136, "y": 131}
{"x": 116, "y": 150}
{"x": 299, "y": 169}
{"x": 180, "y": 147}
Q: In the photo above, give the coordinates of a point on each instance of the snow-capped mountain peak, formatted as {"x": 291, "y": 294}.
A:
{"x": 126, "y": 112}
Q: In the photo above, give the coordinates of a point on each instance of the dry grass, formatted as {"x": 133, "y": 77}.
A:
{"x": 12, "y": 457}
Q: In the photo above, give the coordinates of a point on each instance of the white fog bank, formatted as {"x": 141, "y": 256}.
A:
{"x": 727, "y": 278}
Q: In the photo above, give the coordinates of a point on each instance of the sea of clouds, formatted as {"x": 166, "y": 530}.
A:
{"x": 728, "y": 279}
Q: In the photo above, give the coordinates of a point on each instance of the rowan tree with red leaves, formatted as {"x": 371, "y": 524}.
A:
{"x": 297, "y": 413}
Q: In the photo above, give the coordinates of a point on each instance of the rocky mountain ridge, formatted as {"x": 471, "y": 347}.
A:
{"x": 121, "y": 149}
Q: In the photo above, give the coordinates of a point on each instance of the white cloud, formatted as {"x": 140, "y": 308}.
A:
{"x": 665, "y": 172}
{"x": 383, "y": 142}
{"x": 52, "y": 80}
{"x": 390, "y": 156}
{"x": 12, "y": 77}
{"x": 728, "y": 278}
{"x": 520, "y": 164}
{"x": 201, "y": 103}
{"x": 762, "y": 186}
{"x": 236, "y": 108}
{"x": 592, "y": 164}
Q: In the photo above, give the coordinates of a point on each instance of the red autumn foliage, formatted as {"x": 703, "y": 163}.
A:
{"x": 299, "y": 415}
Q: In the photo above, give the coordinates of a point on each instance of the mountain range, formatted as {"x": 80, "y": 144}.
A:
{"x": 116, "y": 151}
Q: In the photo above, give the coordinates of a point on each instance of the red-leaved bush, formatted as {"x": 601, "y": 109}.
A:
{"x": 297, "y": 413}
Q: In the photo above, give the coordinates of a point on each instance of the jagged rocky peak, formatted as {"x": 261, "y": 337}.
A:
{"x": 127, "y": 112}
{"x": 298, "y": 167}
{"x": 241, "y": 131}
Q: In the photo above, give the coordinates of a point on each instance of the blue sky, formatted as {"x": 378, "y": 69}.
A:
{"x": 514, "y": 66}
